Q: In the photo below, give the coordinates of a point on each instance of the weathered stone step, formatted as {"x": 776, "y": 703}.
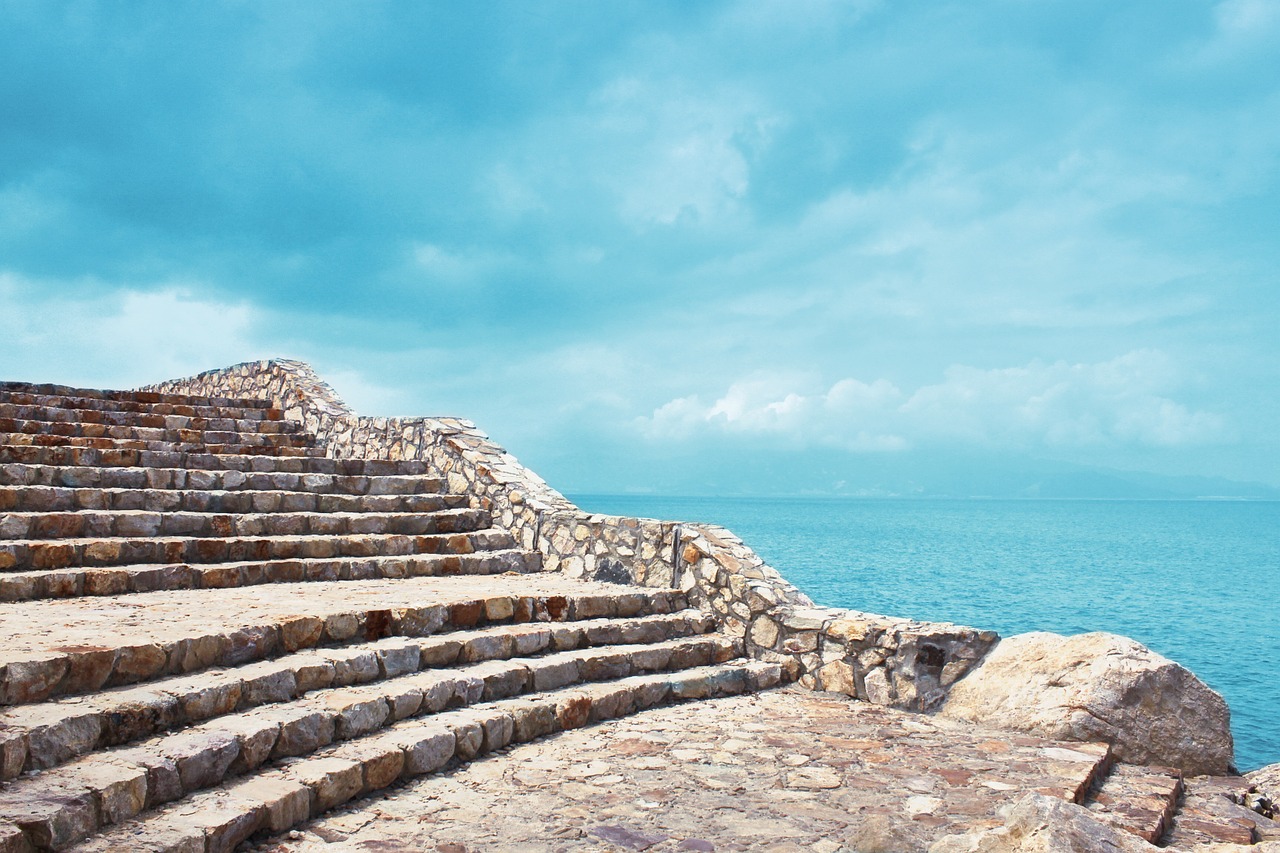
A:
{"x": 232, "y": 745}
{"x": 29, "y": 554}
{"x": 75, "y": 646}
{"x": 47, "y": 414}
{"x": 15, "y": 431}
{"x": 121, "y": 580}
{"x": 130, "y": 524}
{"x": 90, "y": 404}
{"x": 9, "y": 390}
{"x": 47, "y": 499}
{"x": 1214, "y": 811}
{"x": 39, "y": 737}
{"x": 1138, "y": 799}
{"x": 204, "y": 460}
{"x": 294, "y": 791}
{"x": 258, "y": 446}
{"x": 146, "y": 438}
{"x": 16, "y": 474}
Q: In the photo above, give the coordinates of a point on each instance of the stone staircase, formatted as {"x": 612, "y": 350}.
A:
{"x": 214, "y": 630}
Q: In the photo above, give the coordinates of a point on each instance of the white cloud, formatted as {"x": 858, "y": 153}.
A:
{"x": 1121, "y": 402}
{"x": 120, "y": 337}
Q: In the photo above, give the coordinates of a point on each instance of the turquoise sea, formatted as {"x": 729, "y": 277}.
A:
{"x": 1197, "y": 581}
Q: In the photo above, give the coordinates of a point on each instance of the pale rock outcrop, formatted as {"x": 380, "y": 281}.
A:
{"x": 1267, "y": 782}
{"x": 1098, "y": 686}
{"x": 1041, "y": 824}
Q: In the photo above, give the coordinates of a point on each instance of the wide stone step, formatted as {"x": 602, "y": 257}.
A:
{"x": 78, "y": 478}
{"x": 29, "y": 554}
{"x": 9, "y": 390}
{"x": 81, "y": 645}
{"x": 118, "y": 445}
{"x": 130, "y": 524}
{"x": 14, "y": 431}
{"x": 266, "y": 445}
{"x": 49, "y": 415}
{"x": 123, "y": 782}
{"x": 121, "y": 580}
{"x": 290, "y": 792}
{"x": 205, "y": 460}
{"x": 46, "y": 499}
{"x": 40, "y": 737}
{"x": 92, "y": 404}
{"x": 1138, "y": 799}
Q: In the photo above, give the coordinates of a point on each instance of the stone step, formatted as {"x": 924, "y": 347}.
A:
{"x": 204, "y": 460}
{"x": 290, "y": 792}
{"x": 92, "y": 404}
{"x": 1214, "y": 811}
{"x": 42, "y": 736}
{"x": 29, "y": 554}
{"x": 103, "y": 524}
{"x": 32, "y": 432}
{"x": 47, "y": 499}
{"x": 267, "y": 445}
{"x": 76, "y": 478}
{"x": 75, "y": 646}
{"x": 120, "y": 445}
{"x": 121, "y": 580}
{"x": 47, "y": 414}
{"x": 149, "y": 398}
{"x": 1141, "y": 800}
{"x": 125, "y": 781}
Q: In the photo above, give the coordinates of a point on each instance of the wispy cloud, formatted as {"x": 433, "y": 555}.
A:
{"x": 1036, "y": 406}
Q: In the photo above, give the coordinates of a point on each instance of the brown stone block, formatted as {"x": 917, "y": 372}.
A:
{"x": 287, "y": 801}
{"x": 613, "y": 701}
{"x": 32, "y": 680}
{"x": 557, "y": 607}
{"x": 138, "y": 663}
{"x": 89, "y": 667}
{"x": 300, "y": 632}
{"x": 51, "y": 555}
{"x": 573, "y": 712}
{"x": 466, "y": 614}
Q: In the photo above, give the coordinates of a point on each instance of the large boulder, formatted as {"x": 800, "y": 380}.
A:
{"x": 1040, "y": 824}
{"x": 1093, "y": 687}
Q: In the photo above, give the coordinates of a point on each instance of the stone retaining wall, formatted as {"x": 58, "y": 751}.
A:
{"x": 896, "y": 662}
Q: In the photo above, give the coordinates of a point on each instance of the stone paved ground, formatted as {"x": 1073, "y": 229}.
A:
{"x": 785, "y": 770}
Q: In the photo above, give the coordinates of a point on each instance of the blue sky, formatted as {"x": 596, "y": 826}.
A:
{"x": 685, "y": 247}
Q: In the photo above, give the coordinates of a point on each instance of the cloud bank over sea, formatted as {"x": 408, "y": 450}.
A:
{"x": 846, "y": 248}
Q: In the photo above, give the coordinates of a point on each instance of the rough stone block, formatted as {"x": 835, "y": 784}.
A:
{"x": 427, "y": 749}
{"x": 333, "y": 781}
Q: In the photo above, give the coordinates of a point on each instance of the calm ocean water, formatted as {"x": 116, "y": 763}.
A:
{"x": 1197, "y": 580}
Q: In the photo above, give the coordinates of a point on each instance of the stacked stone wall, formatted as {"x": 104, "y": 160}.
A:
{"x": 895, "y": 662}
